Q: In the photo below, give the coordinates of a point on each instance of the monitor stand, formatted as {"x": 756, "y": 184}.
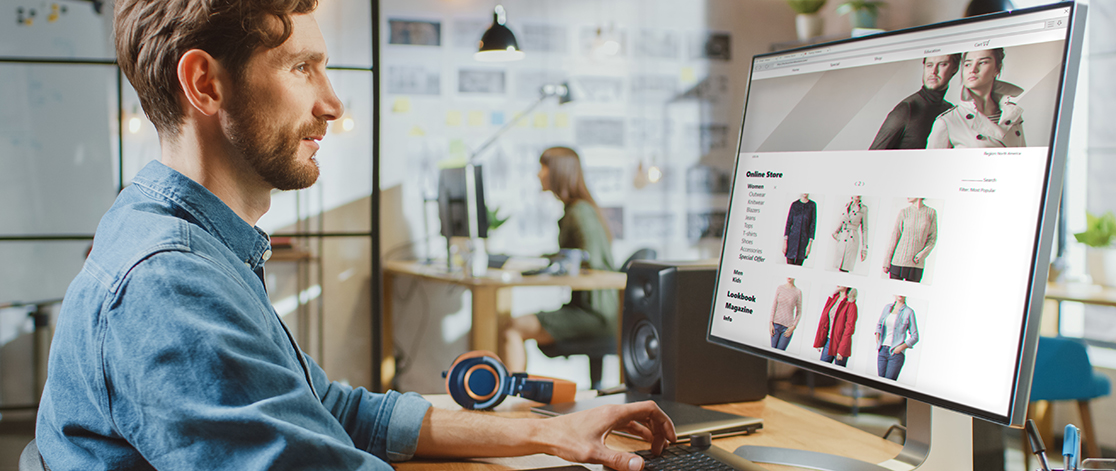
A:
{"x": 950, "y": 432}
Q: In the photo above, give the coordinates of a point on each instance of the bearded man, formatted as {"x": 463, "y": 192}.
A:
{"x": 908, "y": 124}
{"x": 167, "y": 352}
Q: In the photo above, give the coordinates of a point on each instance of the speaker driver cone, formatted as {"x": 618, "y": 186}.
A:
{"x": 642, "y": 356}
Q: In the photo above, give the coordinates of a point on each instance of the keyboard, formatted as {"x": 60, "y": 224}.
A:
{"x": 687, "y": 458}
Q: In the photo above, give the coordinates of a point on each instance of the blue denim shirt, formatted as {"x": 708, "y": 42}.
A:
{"x": 169, "y": 355}
{"x": 906, "y": 327}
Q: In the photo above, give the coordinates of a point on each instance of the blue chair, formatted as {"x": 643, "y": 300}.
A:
{"x": 1063, "y": 373}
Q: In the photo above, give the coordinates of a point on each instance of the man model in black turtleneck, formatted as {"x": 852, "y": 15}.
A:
{"x": 908, "y": 124}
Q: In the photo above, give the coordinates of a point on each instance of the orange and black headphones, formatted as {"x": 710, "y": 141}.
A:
{"x": 479, "y": 380}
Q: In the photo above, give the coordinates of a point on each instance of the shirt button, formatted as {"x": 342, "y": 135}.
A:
{"x": 1016, "y": 133}
{"x": 980, "y": 137}
{"x": 1007, "y": 122}
{"x": 267, "y": 255}
{"x": 969, "y": 116}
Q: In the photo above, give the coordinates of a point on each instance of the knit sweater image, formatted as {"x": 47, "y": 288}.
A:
{"x": 787, "y": 308}
{"x": 915, "y": 233}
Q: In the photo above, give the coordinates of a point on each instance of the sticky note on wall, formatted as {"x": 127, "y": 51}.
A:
{"x": 540, "y": 120}
{"x": 453, "y": 118}
{"x": 476, "y": 118}
{"x": 561, "y": 120}
{"x": 401, "y": 105}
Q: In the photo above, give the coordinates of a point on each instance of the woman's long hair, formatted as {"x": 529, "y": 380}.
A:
{"x": 567, "y": 181}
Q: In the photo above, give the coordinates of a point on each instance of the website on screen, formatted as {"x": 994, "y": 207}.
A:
{"x": 884, "y": 194}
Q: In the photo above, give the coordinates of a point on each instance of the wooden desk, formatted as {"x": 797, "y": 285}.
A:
{"x": 785, "y": 425}
{"x": 1085, "y": 293}
{"x": 491, "y": 299}
{"x": 1082, "y": 293}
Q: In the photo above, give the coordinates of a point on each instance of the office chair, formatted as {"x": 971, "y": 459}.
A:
{"x": 596, "y": 348}
{"x": 1063, "y": 373}
{"x": 30, "y": 460}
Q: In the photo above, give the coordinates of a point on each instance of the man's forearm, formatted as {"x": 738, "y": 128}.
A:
{"x": 458, "y": 434}
{"x": 577, "y": 437}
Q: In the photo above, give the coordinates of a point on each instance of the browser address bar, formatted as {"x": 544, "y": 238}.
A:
{"x": 929, "y": 44}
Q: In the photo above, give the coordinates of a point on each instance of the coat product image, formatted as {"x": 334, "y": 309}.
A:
{"x": 835, "y": 332}
{"x": 800, "y": 229}
{"x": 851, "y": 233}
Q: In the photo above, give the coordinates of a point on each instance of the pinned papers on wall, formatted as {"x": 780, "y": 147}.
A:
{"x": 540, "y": 120}
{"x": 497, "y": 118}
{"x": 561, "y": 120}
{"x": 476, "y": 118}
{"x": 519, "y": 121}
{"x": 401, "y": 105}
{"x": 453, "y": 118}
{"x": 416, "y": 131}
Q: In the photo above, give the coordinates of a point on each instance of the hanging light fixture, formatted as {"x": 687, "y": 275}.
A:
{"x": 498, "y": 43}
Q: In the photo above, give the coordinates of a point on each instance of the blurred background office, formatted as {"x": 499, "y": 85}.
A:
{"x": 656, "y": 88}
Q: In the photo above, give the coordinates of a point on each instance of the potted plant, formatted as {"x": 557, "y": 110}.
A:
{"x": 1100, "y": 255}
{"x": 862, "y": 13}
{"x": 808, "y": 24}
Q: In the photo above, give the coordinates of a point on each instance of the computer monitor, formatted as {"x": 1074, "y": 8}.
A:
{"x": 921, "y": 169}
{"x": 453, "y": 205}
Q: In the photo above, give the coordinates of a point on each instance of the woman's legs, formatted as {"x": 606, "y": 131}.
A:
{"x": 512, "y": 336}
{"x": 895, "y": 365}
{"x": 889, "y": 365}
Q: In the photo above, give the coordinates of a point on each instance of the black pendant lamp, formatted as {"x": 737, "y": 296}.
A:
{"x": 498, "y": 43}
{"x": 984, "y": 7}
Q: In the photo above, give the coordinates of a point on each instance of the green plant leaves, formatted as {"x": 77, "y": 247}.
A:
{"x": 1099, "y": 231}
{"x": 806, "y": 6}
{"x": 494, "y": 220}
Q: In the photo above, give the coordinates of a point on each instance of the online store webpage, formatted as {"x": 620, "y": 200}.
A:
{"x": 932, "y": 246}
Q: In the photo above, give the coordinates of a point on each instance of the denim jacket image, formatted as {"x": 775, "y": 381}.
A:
{"x": 168, "y": 354}
{"x": 906, "y": 327}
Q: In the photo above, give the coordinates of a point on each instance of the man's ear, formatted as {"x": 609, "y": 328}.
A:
{"x": 203, "y": 81}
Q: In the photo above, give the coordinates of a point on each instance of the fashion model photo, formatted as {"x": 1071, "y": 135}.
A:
{"x": 798, "y": 234}
{"x": 850, "y": 236}
{"x": 786, "y": 311}
{"x": 912, "y": 241}
{"x": 896, "y": 332}
{"x": 834, "y": 337}
{"x": 988, "y": 114}
{"x": 908, "y": 124}
{"x": 972, "y": 98}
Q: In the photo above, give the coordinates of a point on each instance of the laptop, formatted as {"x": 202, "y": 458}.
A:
{"x": 688, "y": 419}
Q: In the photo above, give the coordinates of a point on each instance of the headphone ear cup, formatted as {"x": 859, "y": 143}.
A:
{"x": 477, "y": 380}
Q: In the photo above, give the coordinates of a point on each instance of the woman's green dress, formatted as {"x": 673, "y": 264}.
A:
{"x": 589, "y": 314}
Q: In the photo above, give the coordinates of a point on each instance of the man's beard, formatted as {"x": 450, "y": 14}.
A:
{"x": 270, "y": 149}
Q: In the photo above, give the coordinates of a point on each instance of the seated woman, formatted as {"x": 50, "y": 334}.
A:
{"x": 589, "y": 314}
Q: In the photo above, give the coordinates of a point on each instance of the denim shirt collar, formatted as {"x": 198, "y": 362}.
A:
{"x": 249, "y": 243}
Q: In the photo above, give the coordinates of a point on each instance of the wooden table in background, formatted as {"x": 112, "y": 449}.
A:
{"x": 1085, "y": 293}
{"x": 785, "y": 425}
{"x": 491, "y": 299}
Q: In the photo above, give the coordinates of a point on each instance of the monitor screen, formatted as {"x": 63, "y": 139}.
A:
{"x": 453, "y": 209}
{"x": 891, "y": 209}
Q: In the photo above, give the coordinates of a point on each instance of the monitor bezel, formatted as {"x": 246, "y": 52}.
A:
{"x": 1044, "y": 230}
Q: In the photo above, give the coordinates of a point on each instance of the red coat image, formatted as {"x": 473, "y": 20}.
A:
{"x": 844, "y": 325}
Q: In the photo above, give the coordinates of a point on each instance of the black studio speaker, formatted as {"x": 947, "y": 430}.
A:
{"x": 666, "y": 318}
